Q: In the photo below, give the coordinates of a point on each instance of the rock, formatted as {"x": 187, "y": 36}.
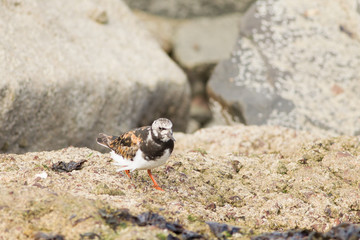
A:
{"x": 190, "y": 8}
{"x": 236, "y": 168}
{"x": 206, "y": 41}
{"x": 163, "y": 29}
{"x": 199, "y": 110}
{"x": 71, "y": 70}
{"x": 193, "y": 126}
{"x": 295, "y": 64}
{"x": 200, "y": 44}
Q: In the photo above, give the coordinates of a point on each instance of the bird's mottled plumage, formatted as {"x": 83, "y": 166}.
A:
{"x": 141, "y": 148}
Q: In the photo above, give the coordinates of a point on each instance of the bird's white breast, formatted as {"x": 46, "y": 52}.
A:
{"x": 139, "y": 162}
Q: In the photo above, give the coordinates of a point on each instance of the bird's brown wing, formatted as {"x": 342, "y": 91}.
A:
{"x": 105, "y": 140}
{"x": 128, "y": 143}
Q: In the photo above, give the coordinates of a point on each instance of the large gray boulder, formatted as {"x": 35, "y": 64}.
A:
{"x": 296, "y": 64}
{"x": 70, "y": 70}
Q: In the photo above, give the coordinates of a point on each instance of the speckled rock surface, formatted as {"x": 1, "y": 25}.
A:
{"x": 190, "y": 8}
{"x": 295, "y": 64}
{"x": 71, "y": 70}
{"x": 260, "y": 179}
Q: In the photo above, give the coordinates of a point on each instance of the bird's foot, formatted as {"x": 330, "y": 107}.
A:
{"x": 157, "y": 187}
{"x": 128, "y": 173}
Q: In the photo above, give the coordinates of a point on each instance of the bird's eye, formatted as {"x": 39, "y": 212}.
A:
{"x": 161, "y": 128}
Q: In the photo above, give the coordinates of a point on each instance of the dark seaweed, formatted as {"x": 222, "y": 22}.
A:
{"x": 171, "y": 237}
{"x": 343, "y": 231}
{"x": 118, "y": 217}
{"x": 218, "y": 229}
{"x": 68, "y": 167}
{"x": 90, "y": 235}
{"x": 189, "y": 235}
{"x": 45, "y": 236}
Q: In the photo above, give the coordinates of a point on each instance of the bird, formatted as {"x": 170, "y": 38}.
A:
{"x": 142, "y": 148}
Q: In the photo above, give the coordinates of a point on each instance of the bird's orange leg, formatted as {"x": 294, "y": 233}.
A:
{"x": 128, "y": 173}
{"x": 156, "y": 186}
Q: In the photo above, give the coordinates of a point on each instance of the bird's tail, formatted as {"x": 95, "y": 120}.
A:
{"x": 104, "y": 140}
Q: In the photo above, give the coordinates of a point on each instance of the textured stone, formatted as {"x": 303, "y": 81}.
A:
{"x": 70, "y": 70}
{"x": 190, "y": 8}
{"x": 295, "y": 64}
{"x": 244, "y": 176}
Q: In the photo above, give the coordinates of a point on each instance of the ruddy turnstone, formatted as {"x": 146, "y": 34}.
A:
{"x": 142, "y": 148}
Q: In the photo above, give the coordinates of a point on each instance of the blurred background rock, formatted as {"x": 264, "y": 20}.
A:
{"x": 73, "y": 69}
{"x": 295, "y": 64}
{"x": 187, "y": 9}
{"x": 196, "y": 35}
{"x": 70, "y": 70}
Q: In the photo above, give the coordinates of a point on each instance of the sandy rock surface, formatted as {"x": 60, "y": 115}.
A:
{"x": 261, "y": 179}
{"x": 72, "y": 69}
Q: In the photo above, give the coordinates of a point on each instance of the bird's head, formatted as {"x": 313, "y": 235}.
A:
{"x": 162, "y": 129}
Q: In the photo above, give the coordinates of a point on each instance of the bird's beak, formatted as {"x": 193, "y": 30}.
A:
{"x": 170, "y": 135}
